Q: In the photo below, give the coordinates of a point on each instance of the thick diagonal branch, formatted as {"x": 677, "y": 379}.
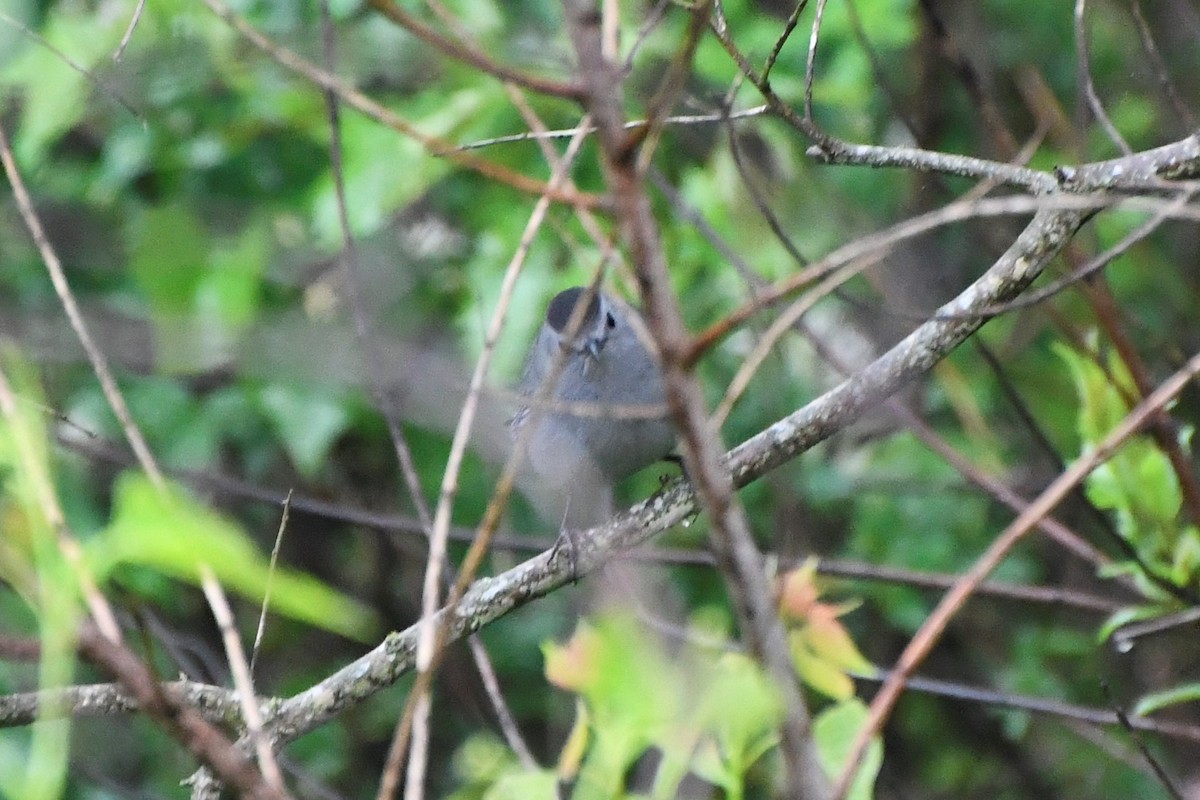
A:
{"x": 489, "y": 599}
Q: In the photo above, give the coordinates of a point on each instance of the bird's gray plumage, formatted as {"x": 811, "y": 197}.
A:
{"x": 605, "y": 365}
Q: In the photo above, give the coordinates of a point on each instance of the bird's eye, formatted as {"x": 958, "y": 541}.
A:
{"x": 610, "y": 321}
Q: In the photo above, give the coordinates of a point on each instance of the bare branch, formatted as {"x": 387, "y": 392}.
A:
{"x": 128, "y": 35}
{"x": 472, "y": 55}
{"x": 1088, "y": 85}
{"x": 1160, "y": 67}
{"x": 1054, "y": 708}
{"x": 1157, "y": 768}
{"x": 433, "y": 632}
{"x": 836, "y": 152}
{"x": 216, "y": 704}
{"x": 95, "y": 355}
{"x": 266, "y": 603}
{"x": 737, "y": 557}
{"x": 491, "y": 598}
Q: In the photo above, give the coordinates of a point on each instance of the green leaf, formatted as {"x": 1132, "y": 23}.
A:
{"x": 1103, "y": 405}
{"x": 1187, "y": 693}
{"x": 711, "y": 765}
{"x": 817, "y": 672}
{"x": 1187, "y": 557}
{"x": 229, "y": 293}
{"x": 631, "y": 693}
{"x": 1157, "y": 493}
{"x": 572, "y": 753}
{"x": 534, "y": 785}
{"x": 308, "y": 420}
{"x": 1124, "y": 616}
{"x": 1103, "y": 488}
{"x": 481, "y": 758}
{"x": 834, "y": 731}
{"x": 743, "y": 708}
{"x": 54, "y": 92}
{"x": 169, "y": 258}
{"x": 168, "y": 532}
{"x": 1138, "y": 482}
{"x": 33, "y": 561}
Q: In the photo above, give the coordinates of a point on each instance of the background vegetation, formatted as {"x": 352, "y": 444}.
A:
{"x": 188, "y": 180}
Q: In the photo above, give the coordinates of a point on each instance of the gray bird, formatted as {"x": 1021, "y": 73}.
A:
{"x": 576, "y": 454}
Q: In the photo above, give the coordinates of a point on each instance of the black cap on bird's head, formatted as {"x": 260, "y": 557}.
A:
{"x": 593, "y": 328}
{"x": 563, "y": 306}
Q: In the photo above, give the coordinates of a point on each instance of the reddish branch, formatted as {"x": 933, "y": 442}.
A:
{"x": 737, "y": 557}
{"x": 472, "y": 55}
{"x": 183, "y": 722}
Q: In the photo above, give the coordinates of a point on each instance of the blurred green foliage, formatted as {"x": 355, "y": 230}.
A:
{"x": 712, "y": 714}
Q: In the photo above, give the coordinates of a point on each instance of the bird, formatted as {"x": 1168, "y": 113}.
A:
{"x": 606, "y": 416}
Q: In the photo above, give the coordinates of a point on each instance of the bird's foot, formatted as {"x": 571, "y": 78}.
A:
{"x": 565, "y": 544}
{"x": 677, "y": 460}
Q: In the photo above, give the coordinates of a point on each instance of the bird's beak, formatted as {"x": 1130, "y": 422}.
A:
{"x": 593, "y": 348}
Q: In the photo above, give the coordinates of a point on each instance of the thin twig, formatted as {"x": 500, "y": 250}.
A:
{"x": 128, "y": 35}
{"x": 881, "y": 73}
{"x": 587, "y": 218}
{"x": 1048, "y": 595}
{"x": 504, "y": 717}
{"x": 360, "y": 102}
{"x": 1160, "y": 67}
{"x": 1066, "y": 538}
{"x": 235, "y": 654}
{"x": 1037, "y": 705}
{"x": 810, "y": 61}
{"x": 650, "y": 22}
{"x": 1088, "y": 86}
{"x": 1155, "y": 766}
{"x": 760, "y": 202}
{"x": 881, "y": 241}
{"x": 971, "y": 79}
{"x": 778, "y": 327}
{"x": 472, "y": 55}
{"x": 739, "y": 560}
{"x": 785, "y": 34}
{"x": 449, "y": 487}
{"x": 88, "y": 74}
{"x": 1172, "y": 209}
{"x": 19, "y": 648}
{"x": 116, "y": 402}
{"x": 933, "y": 627}
{"x": 95, "y": 356}
{"x": 914, "y": 158}
{"x": 373, "y": 358}
{"x": 266, "y": 603}
{"x": 670, "y": 87}
{"x": 859, "y": 253}
{"x": 566, "y": 133}
{"x": 1063, "y": 536}
{"x": 348, "y": 258}
{"x": 1125, "y": 637}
